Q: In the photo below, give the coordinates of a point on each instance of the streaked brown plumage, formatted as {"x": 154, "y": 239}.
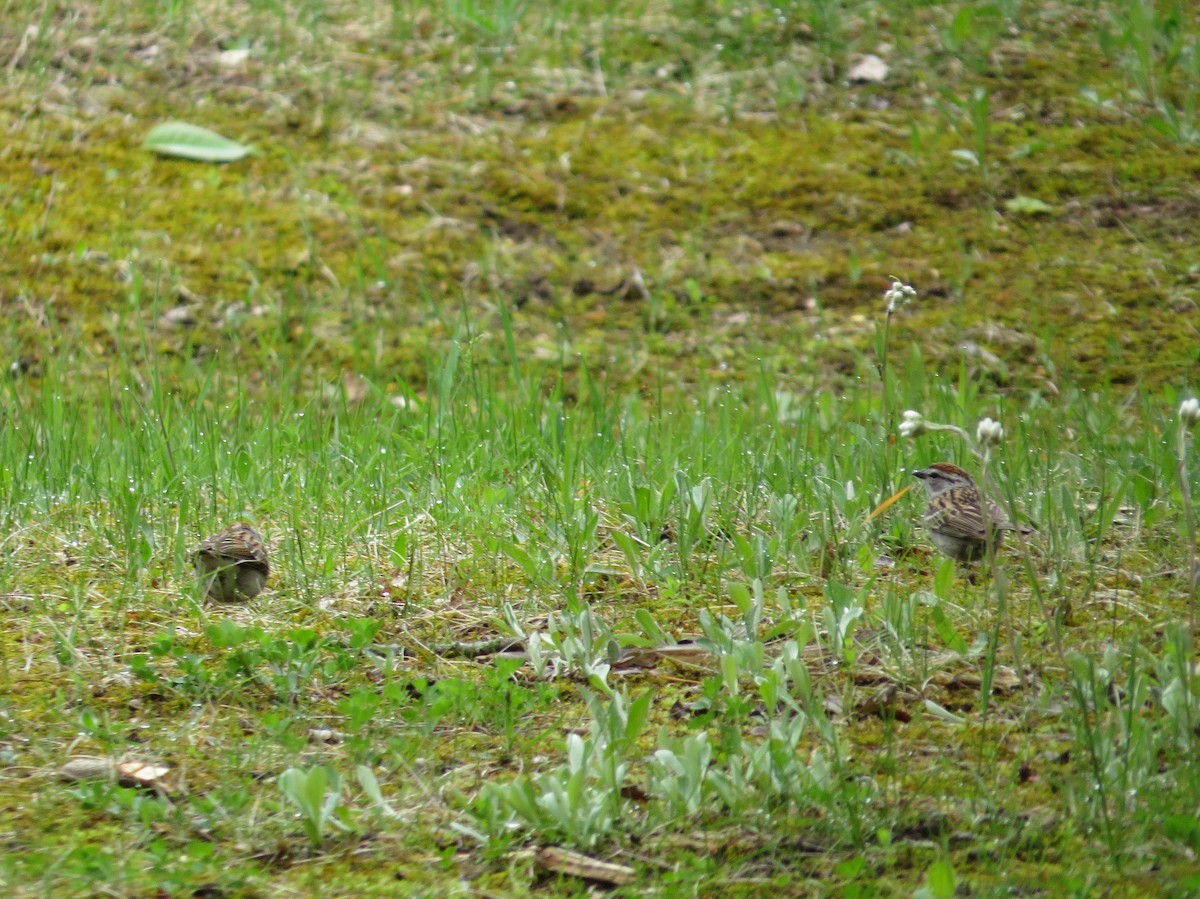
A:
{"x": 955, "y": 517}
{"x": 232, "y": 565}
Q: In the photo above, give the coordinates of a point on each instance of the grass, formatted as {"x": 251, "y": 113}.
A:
{"x": 566, "y": 325}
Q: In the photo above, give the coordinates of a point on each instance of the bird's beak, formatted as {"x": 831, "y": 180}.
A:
{"x": 920, "y": 473}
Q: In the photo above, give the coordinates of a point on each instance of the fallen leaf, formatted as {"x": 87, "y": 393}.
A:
{"x": 869, "y": 69}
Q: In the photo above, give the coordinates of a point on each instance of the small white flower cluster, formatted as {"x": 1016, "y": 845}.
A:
{"x": 897, "y": 295}
{"x": 1189, "y": 412}
{"x": 913, "y": 425}
{"x": 989, "y": 432}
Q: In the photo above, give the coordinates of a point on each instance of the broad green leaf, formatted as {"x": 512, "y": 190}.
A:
{"x": 941, "y": 880}
{"x": 186, "y": 141}
{"x": 1022, "y": 205}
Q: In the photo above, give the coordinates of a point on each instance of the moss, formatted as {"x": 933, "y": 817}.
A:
{"x": 777, "y": 215}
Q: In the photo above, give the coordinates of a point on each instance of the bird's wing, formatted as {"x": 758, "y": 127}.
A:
{"x": 235, "y": 546}
{"x": 965, "y": 522}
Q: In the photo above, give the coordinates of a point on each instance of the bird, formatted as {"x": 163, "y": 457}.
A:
{"x": 956, "y": 518}
{"x": 232, "y": 564}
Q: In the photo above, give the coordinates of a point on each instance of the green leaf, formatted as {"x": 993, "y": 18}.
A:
{"x": 851, "y": 867}
{"x": 306, "y": 790}
{"x": 960, "y": 28}
{"x": 1022, "y": 205}
{"x": 639, "y": 711}
{"x": 311, "y": 791}
{"x": 739, "y": 595}
{"x": 1184, "y": 829}
{"x": 944, "y": 714}
{"x": 651, "y": 627}
{"x": 946, "y": 631}
{"x": 941, "y": 880}
{"x": 184, "y": 141}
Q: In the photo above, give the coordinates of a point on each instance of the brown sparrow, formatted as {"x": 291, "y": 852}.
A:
{"x": 955, "y": 518}
{"x": 233, "y": 564}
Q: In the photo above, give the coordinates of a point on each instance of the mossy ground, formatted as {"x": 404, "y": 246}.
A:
{"x": 630, "y": 214}
{"x": 379, "y": 208}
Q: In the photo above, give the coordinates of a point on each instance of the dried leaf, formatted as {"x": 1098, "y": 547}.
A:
{"x": 136, "y": 773}
{"x": 883, "y": 506}
{"x": 870, "y": 69}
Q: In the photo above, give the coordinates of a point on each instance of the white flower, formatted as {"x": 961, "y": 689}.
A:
{"x": 913, "y": 424}
{"x": 989, "y": 432}
{"x": 1189, "y": 412}
{"x": 897, "y": 295}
